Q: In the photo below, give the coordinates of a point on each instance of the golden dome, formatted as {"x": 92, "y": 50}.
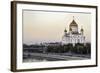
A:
{"x": 73, "y": 23}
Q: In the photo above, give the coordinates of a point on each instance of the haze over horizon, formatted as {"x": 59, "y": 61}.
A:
{"x": 40, "y": 26}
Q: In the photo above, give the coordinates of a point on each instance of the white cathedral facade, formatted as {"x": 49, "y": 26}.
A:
{"x": 73, "y": 36}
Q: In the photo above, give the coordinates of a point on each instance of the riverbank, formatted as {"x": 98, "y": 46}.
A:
{"x": 53, "y": 57}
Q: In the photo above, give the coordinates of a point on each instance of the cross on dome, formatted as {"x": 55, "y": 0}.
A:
{"x": 73, "y": 17}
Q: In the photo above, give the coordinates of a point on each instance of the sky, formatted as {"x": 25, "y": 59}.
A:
{"x": 48, "y": 26}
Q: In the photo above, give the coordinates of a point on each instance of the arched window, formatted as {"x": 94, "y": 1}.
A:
{"x": 78, "y": 40}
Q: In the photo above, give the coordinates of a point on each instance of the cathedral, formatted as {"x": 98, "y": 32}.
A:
{"x": 73, "y": 36}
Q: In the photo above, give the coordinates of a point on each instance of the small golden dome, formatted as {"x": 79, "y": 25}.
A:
{"x": 65, "y": 30}
{"x": 82, "y": 29}
{"x": 70, "y": 29}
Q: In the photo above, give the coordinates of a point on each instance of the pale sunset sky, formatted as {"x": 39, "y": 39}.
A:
{"x": 47, "y": 26}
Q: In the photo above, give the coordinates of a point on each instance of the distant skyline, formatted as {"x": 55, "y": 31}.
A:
{"x": 42, "y": 26}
